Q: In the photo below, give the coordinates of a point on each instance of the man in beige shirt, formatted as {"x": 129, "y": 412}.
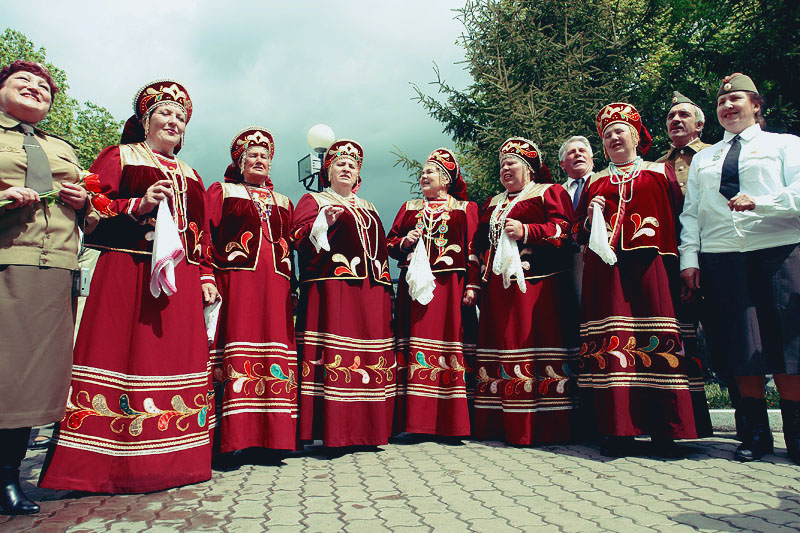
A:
{"x": 685, "y": 121}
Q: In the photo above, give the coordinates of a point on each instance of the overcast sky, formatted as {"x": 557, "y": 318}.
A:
{"x": 282, "y": 65}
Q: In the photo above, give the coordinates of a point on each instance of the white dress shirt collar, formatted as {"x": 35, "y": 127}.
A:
{"x": 746, "y": 135}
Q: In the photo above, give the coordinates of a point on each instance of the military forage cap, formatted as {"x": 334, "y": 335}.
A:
{"x": 737, "y": 82}
{"x": 678, "y": 98}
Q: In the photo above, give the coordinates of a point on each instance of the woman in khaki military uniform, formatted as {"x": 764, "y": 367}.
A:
{"x": 39, "y": 245}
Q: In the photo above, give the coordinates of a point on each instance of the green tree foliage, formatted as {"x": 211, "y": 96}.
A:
{"x": 543, "y": 69}
{"x": 89, "y": 127}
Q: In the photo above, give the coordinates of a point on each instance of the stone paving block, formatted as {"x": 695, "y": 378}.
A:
{"x": 365, "y": 526}
{"x": 317, "y": 504}
{"x": 357, "y": 511}
{"x": 166, "y": 526}
{"x": 322, "y": 522}
{"x": 520, "y": 517}
{"x": 442, "y": 521}
{"x": 495, "y": 525}
{"x": 284, "y": 515}
{"x": 394, "y": 517}
{"x": 318, "y": 488}
{"x": 411, "y": 529}
{"x": 249, "y": 509}
{"x": 245, "y": 525}
{"x": 468, "y": 511}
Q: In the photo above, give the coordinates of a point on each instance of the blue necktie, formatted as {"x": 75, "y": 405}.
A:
{"x": 578, "y": 190}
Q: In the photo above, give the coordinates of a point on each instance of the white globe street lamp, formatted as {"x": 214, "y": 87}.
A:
{"x": 320, "y": 137}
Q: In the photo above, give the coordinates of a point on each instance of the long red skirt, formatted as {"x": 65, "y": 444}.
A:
{"x": 431, "y": 370}
{"x": 634, "y": 374}
{"x": 140, "y": 401}
{"x": 348, "y": 380}
{"x": 527, "y": 353}
{"x": 255, "y": 347}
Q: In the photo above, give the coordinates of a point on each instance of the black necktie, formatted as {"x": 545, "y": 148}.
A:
{"x": 38, "y": 175}
{"x": 729, "y": 182}
{"x": 578, "y": 190}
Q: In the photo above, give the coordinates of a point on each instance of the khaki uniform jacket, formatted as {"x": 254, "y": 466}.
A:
{"x": 681, "y": 158}
{"x": 26, "y": 236}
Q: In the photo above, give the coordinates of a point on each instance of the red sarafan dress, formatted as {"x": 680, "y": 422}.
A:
{"x": 635, "y": 378}
{"x": 435, "y": 342}
{"x": 140, "y": 402}
{"x": 344, "y": 334}
{"x": 527, "y": 342}
{"x": 255, "y": 344}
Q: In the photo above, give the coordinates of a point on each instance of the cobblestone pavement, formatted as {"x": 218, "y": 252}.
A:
{"x": 436, "y": 486}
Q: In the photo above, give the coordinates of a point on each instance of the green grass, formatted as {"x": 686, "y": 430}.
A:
{"x": 717, "y": 397}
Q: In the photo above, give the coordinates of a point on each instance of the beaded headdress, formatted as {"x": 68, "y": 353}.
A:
{"x": 249, "y": 137}
{"x": 529, "y": 154}
{"x": 342, "y": 148}
{"x": 152, "y": 95}
{"x": 626, "y": 114}
{"x": 445, "y": 160}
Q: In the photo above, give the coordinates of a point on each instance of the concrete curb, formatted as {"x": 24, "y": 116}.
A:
{"x": 722, "y": 420}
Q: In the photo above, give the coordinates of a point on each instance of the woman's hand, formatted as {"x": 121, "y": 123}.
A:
{"x": 20, "y": 196}
{"x": 514, "y": 229}
{"x": 691, "y": 277}
{"x": 155, "y": 193}
{"x": 73, "y": 195}
{"x": 599, "y": 202}
{"x": 332, "y": 214}
{"x": 219, "y": 374}
{"x": 210, "y": 293}
{"x": 741, "y": 202}
{"x": 411, "y": 239}
{"x": 470, "y": 297}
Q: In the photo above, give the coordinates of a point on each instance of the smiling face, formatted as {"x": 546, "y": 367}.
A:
{"x": 25, "y": 96}
{"x": 431, "y": 183}
{"x": 736, "y": 112}
{"x": 255, "y": 167}
{"x": 167, "y": 123}
{"x": 343, "y": 175}
{"x": 682, "y": 125}
{"x": 577, "y": 160}
{"x": 514, "y": 175}
{"x": 618, "y": 143}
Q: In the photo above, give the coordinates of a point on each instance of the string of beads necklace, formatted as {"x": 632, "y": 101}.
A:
{"x": 434, "y": 212}
{"x": 264, "y": 209}
{"x": 364, "y": 221}
{"x": 623, "y": 174}
{"x": 179, "y": 185}
{"x": 497, "y": 222}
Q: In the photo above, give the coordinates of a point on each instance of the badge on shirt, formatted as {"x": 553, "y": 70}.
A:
{"x": 717, "y": 155}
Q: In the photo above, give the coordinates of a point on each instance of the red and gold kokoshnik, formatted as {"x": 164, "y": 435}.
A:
{"x": 161, "y": 92}
{"x": 445, "y": 160}
{"x": 344, "y": 148}
{"x": 249, "y": 137}
{"x": 627, "y": 114}
{"x": 524, "y": 150}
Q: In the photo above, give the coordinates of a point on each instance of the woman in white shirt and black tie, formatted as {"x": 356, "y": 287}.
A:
{"x": 739, "y": 243}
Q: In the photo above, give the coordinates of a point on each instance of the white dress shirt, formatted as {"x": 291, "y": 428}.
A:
{"x": 769, "y": 172}
{"x": 572, "y": 185}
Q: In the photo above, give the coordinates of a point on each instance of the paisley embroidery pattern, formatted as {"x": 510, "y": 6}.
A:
{"x": 640, "y": 226}
{"x": 241, "y": 248}
{"x": 86, "y": 406}
{"x": 627, "y": 356}
{"x": 523, "y": 379}
{"x": 429, "y": 367}
{"x": 380, "y": 371}
{"x": 348, "y": 268}
{"x": 277, "y": 380}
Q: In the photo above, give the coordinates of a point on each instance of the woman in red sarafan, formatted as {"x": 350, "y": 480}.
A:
{"x": 140, "y": 402}
{"x": 433, "y": 310}
{"x": 634, "y": 377}
{"x": 528, "y": 331}
{"x": 255, "y": 360}
{"x": 344, "y": 335}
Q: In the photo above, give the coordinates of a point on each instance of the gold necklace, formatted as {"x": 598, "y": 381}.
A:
{"x": 364, "y": 221}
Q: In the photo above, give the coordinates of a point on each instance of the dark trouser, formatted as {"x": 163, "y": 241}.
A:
{"x": 13, "y": 446}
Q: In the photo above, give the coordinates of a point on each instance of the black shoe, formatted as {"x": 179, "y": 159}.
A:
{"x": 667, "y": 447}
{"x": 12, "y": 500}
{"x": 790, "y": 412}
{"x": 758, "y": 440}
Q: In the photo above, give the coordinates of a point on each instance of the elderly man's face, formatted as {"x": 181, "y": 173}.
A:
{"x": 682, "y": 125}
{"x": 577, "y": 160}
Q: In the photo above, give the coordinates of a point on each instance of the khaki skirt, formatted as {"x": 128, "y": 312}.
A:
{"x": 36, "y": 324}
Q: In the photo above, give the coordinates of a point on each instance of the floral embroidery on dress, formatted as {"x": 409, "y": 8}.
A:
{"x": 277, "y": 379}
{"x": 524, "y": 379}
{"x": 349, "y": 267}
{"x": 198, "y": 233}
{"x": 241, "y": 248}
{"x": 431, "y": 366}
{"x": 627, "y": 355}
{"x": 335, "y": 369}
{"x": 639, "y": 226}
{"x": 98, "y": 406}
